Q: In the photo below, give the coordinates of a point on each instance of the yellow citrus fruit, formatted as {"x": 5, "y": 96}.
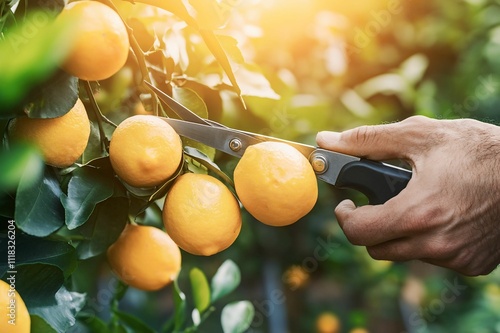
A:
{"x": 275, "y": 183}
{"x": 145, "y": 257}
{"x": 100, "y": 46}
{"x": 62, "y": 140}
{"x": 201, "y": 215}
{"x": 358, "y": 330}
{"x": 13, "y": 311}
{"x": 327, "y": 322}
{"x": 145, "y": 151}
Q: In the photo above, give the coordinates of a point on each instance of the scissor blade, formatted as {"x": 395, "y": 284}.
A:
{"x": 224, "y": 139}
{"x": 229, "y": 140}
{"x": 179, "y": 109}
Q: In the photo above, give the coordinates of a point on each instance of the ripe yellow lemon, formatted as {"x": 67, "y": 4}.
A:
{"x": 145, "y": 151}
{"x": 100, "y": 46}
{"x": 275, "y": 183}
{"x": 62, "y": 140}
{"x": 145, "y": 257}
{"x": 201, "y": 215}
{"x": 327, "y": 322}
{"x": 13, "y": 311}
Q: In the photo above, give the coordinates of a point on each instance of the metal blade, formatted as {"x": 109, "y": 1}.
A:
{"x": 327, "y": 164}
{"x": 224, "y": 139}
{"x": 179, "y": 109}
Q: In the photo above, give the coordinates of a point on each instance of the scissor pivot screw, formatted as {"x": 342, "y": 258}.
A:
{"x": 319, "y": 164}
{"x": 235, "y": 145}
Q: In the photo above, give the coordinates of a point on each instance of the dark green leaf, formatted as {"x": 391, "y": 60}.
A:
{"x": 37, "y": 284}
{"x": 27, "y": 59}
{"x": 237, "y": 317}
{"x": 61, "y": 314}
{"x": 133, "y": 323}
{"x": 7, "y": 204}
{"x": 94, "y": 147}
{"x": 55, "y": 98}
{"x": 19, "y": 160}
{"x": 86, "y": 189}
{"x": 225, "y": 280}
{"x": 215, "y": 47}
{"x": 166, "y": 186}
{"x": 91, "y": 323}
{"x": 204, "y": 160}
{"x": 38, "y": 208}
{"x": 34, "y": 250}
{"x": 38, "y": 324}
{"x": 201, "y": 289}
{"x": 180, "y": 307}
{"x": 103, "y": 228}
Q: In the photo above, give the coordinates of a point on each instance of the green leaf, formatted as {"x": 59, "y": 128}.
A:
{"x": 37, "y": 283}
{"x": 29, "y": 54}
{"x": 204, "y": 160}
{"x": 208, "y": 13}
{"x": 91, "y": 323}
{"x": 201, "y": 289}
{"x": 220, "y": 55}
{"x": 254, "y": 83}
{"x": 237, "y": 317}
{"x": 60, "y": 314}
{"x": 225, "y": 280}
{"x": 133, "y": 323}
{"x": 38, "y": 208}
{"x": 191, "y": 100}
{"x": 55, "y": 98}
{"x": 86, "y": 189}
{"x": 34, "y": 250}
{"x": 94, "y": 149}
{"x": 180, "y": 307}
{"x": 40, "y": 325}
{"x": 19, "y": 160}
{"x": 103, "y": 228}
{"x": 175, "y": 7}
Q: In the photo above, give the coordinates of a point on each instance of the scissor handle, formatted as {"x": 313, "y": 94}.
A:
{"x": 378, "y": 181}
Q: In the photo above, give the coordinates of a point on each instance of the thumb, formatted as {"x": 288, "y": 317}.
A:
{"x": 378, "y": 142}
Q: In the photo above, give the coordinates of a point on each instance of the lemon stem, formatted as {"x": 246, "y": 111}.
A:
{"x": 139, "y": 57}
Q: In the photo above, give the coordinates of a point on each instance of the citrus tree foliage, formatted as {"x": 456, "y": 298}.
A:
{"x": 282, "y": 68}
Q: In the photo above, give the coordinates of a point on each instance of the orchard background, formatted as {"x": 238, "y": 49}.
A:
{"x": 283, "y": 68}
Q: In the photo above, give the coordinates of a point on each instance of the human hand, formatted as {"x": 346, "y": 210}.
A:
{"x": 449, "y": 214}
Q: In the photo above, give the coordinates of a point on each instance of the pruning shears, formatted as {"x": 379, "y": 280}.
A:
{"x": 378, "y": 181}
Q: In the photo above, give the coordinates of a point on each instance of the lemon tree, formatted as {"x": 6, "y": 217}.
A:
{"x": 85, "y": 174}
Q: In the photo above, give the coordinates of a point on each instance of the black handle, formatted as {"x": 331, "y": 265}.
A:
{"x": 378, "y": 181}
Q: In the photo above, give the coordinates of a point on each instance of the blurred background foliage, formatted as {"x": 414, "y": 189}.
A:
{"x": 304, "y": 66}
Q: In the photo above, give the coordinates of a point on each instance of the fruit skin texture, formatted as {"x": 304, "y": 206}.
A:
{"x": 101, "y": 44}
{"x": 62, "y": 140}
{"x": 145, "y": 151}
{"x": 145, "y": 257}
{"x": 201, "y": 215}
{"x": 275, "y": 183}
{"x": 23, "y": 320}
